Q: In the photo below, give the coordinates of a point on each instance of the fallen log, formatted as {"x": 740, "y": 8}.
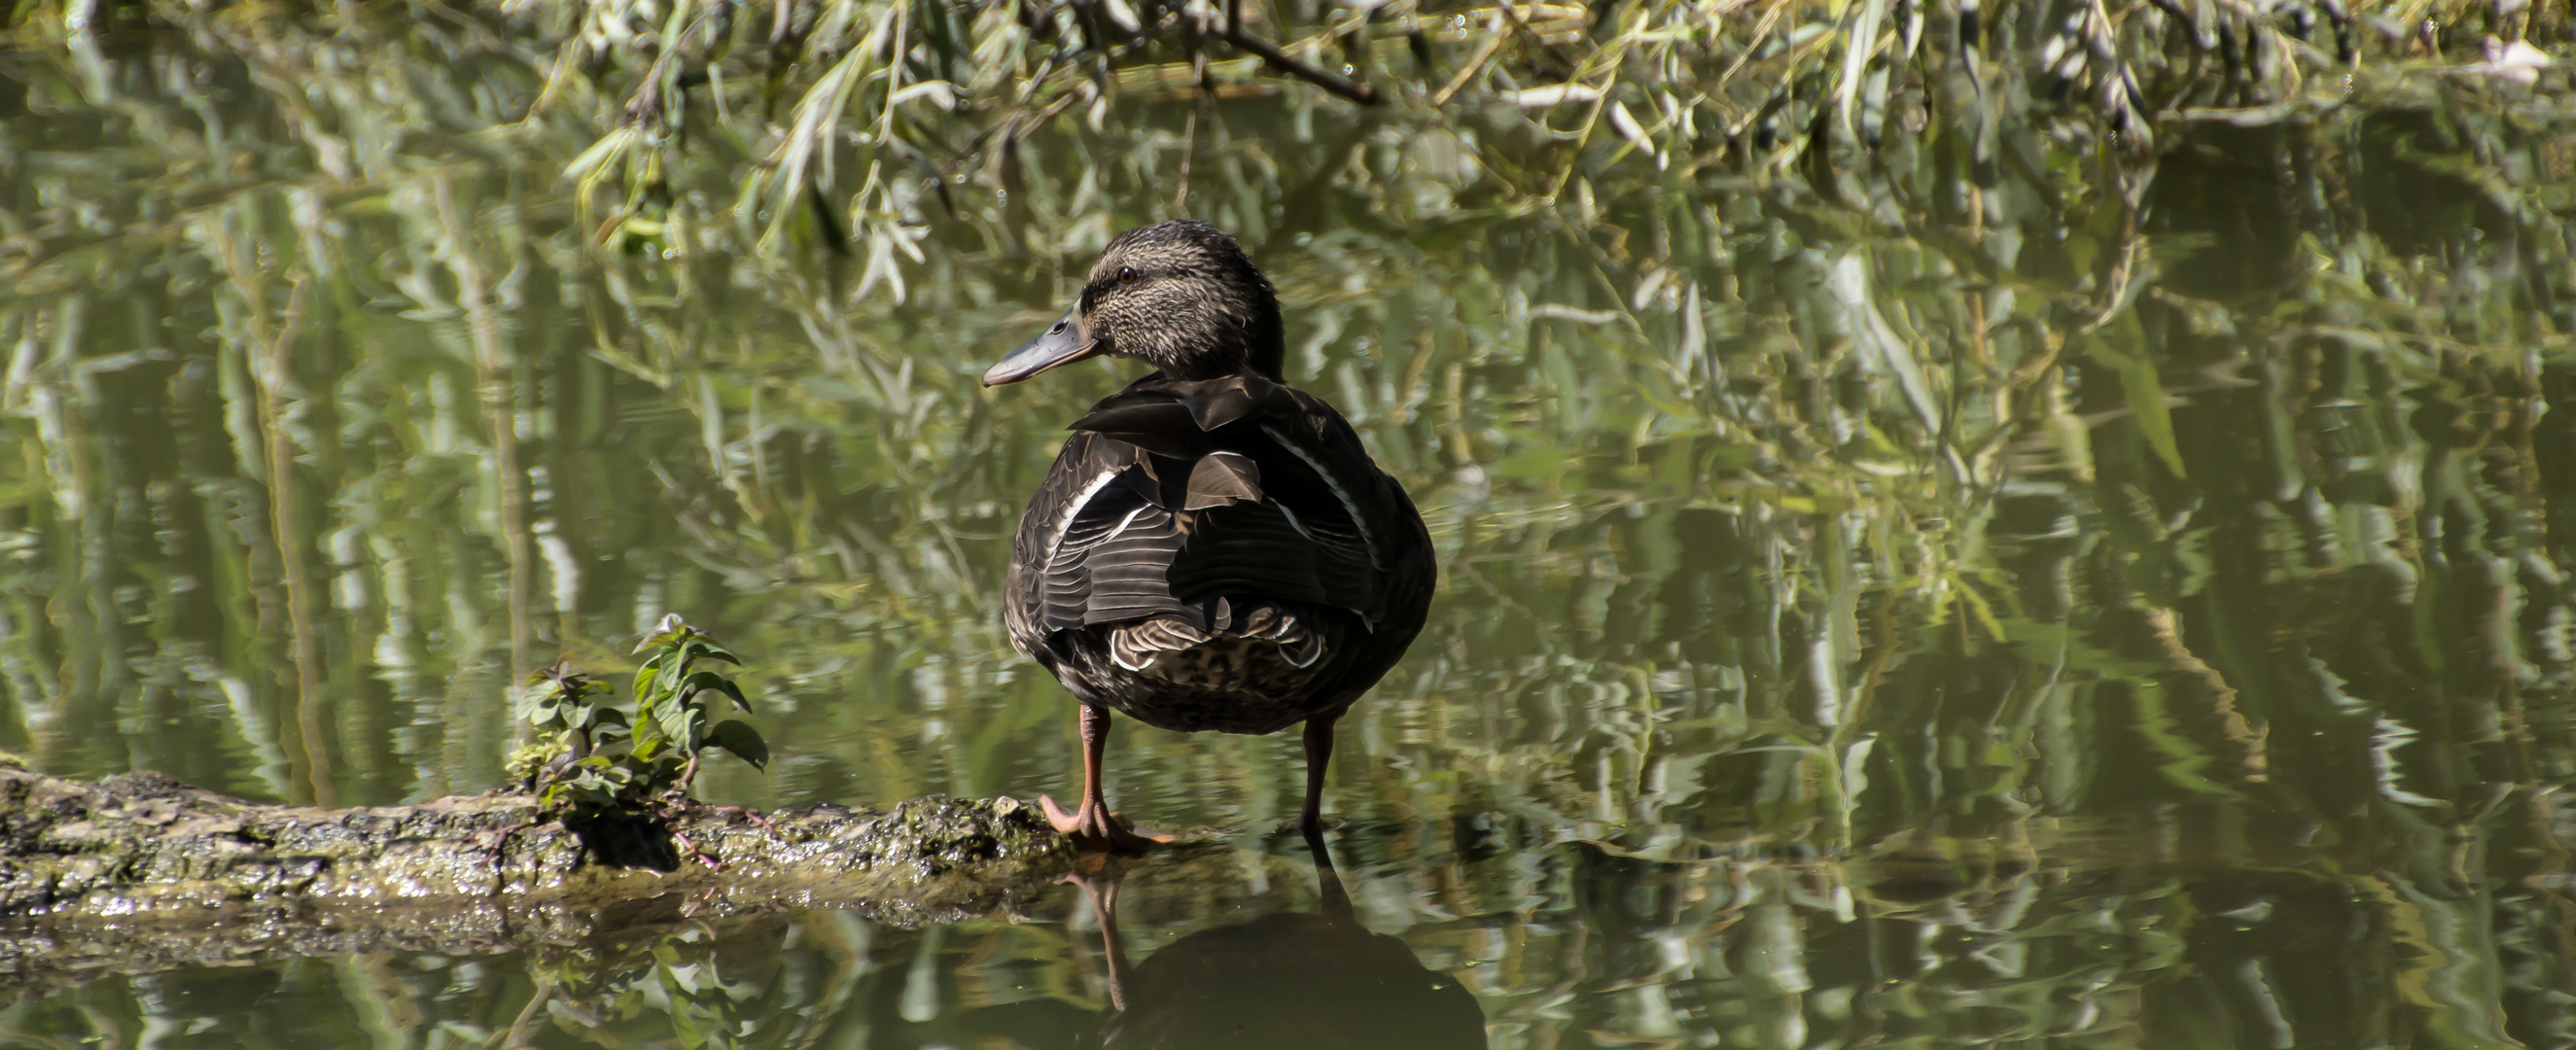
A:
{"x": 140, "y": 872}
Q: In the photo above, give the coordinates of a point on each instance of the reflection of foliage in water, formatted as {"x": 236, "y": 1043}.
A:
{"x": 1988, "y": 487}
{"x": 1624, "y": 950}
{"x": 681, "y": 979}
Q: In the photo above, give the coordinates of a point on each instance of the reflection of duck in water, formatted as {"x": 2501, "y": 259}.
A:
{"x": 1214, "y": 548}
{"x": 1289, "y": 980}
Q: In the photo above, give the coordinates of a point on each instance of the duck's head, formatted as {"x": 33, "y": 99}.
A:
{"x": 1180, "y": 296}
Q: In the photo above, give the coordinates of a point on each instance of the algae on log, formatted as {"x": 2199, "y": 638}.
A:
{"x": 140, "y": 872}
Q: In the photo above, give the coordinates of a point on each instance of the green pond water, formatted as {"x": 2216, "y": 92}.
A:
{"x": 1978, "y": 588}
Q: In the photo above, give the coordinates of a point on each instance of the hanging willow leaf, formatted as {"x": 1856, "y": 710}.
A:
{"x": 2146, "y": 399}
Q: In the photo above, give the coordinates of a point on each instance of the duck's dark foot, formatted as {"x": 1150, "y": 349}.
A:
{"x": 1095, "y": 831}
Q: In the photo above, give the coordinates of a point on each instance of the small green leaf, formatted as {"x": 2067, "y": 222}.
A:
{"x": 738, "y": 736}
{"x": 711, "y": 649}
{"x": 644, "y": 677}
{"x": 538, "y": 702}
{"x": 685, "y": 725}
{"x": 705, "y": 681}
{"x": 669, "y": 679}
{"x": 672, "y": 627}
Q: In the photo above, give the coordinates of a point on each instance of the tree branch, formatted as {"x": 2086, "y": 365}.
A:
{"x": 139, "y": 870}
{"x": 1290, "y": 64}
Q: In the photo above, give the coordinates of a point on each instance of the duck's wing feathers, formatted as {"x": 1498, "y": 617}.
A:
{"x": 1097, "y": 541}
{"x": 1172, "y": 495}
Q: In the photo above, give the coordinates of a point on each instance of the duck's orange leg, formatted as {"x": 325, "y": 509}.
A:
{"x": 1093, "y": 828}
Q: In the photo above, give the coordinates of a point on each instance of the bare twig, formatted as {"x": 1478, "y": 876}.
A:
{"x": 1292, "y": 65}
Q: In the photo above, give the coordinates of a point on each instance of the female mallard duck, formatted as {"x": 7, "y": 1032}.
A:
{"x": 1214, "y": 548}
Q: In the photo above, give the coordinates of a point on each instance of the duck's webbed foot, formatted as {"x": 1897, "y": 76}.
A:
{"x": 1094, "y": 829}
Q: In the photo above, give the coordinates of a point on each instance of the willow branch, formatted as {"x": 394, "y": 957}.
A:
{"x": 1284, "y": 62}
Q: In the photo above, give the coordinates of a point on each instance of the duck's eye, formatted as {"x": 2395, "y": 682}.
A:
{"x": 1126, "y": 274}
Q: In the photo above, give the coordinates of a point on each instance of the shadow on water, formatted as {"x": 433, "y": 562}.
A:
{"x": 1288, "y": 980}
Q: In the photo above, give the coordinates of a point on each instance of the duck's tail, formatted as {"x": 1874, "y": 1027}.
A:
{"x": 1220, "y": 647}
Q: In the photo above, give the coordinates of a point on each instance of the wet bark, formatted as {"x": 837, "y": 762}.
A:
{"x": 139, "y": 872}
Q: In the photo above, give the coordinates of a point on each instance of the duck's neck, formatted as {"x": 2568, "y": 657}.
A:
{"x": 1268, "y": 355}
{"x": 1264, "y": 359}
{"x": 1261, "y": 343}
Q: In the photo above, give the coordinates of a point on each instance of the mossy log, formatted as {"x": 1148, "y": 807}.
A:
{"x": 140, "y": 872}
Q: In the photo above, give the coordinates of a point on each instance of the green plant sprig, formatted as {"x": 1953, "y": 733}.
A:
{"x": 673, "y": 692}
{"x": 593, "y": 762}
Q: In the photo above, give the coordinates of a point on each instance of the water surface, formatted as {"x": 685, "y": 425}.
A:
{"x": 1934, "y": 602}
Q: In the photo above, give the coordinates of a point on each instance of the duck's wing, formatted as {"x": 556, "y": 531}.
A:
{"x": 1097, "y": 542}
{"x": 1180, "y": 500}
{"x": 1271, "y": 494}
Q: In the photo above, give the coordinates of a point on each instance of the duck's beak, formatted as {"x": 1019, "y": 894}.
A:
{"x": 1067, "y": 342}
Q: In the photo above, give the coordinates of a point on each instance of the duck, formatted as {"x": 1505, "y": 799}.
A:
{"x": 1214, "y": 549}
